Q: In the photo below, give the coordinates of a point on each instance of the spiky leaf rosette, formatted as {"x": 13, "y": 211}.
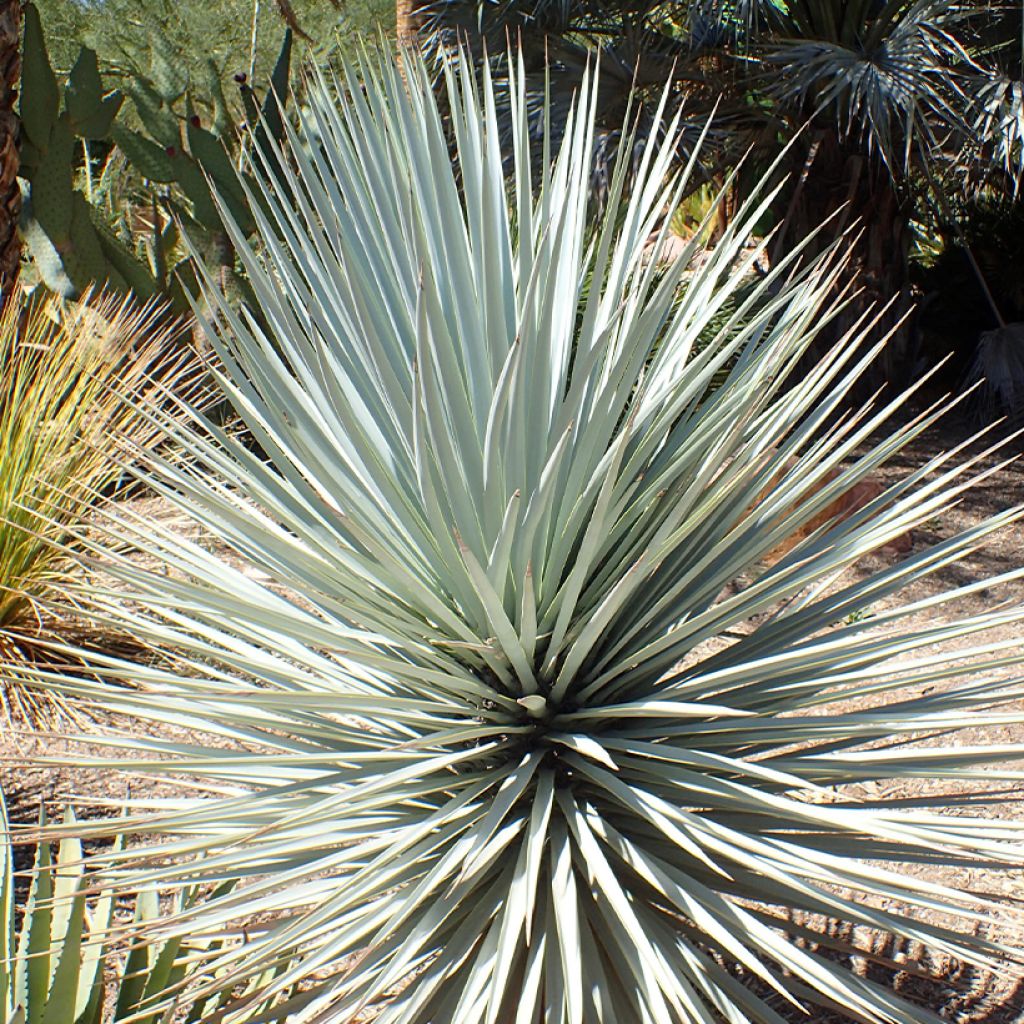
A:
{"x": 493, "y": 735}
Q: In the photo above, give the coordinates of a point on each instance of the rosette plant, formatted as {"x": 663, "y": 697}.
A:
{"x": 496, "y": 711}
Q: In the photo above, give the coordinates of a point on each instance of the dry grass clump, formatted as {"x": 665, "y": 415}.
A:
{"x": 70, "y": 375}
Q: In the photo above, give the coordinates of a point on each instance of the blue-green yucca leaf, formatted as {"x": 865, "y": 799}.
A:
{"x": 484, "y": 729}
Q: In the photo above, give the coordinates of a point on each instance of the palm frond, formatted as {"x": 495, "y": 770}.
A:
{"x": 998, "y": 129}
{"x": 892, "y": 79}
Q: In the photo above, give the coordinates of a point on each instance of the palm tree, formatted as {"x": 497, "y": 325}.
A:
{"x": 10, "y": 193}
{"x": 859, "y": 101}
{"x": 406, "y": 21}
{"x": 866, "y": 94}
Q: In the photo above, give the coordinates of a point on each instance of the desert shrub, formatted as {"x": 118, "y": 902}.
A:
{"x": 192, "y": 32}
{"x": 479, "y": 725}
{"x": 65, "y": 372}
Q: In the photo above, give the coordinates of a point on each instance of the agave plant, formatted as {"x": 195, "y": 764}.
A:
{"x": 58, "y": 968}
{"x": 495, "y": 712}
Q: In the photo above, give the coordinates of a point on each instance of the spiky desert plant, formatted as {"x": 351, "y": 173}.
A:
{"x": 64, "y": 371}
{"x": 58, "y": 967}
{"x": 479, "y": 721}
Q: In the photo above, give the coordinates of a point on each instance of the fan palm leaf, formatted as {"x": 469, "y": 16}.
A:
{"x": 999, "y": 130}
{"x": 888, "y": 71}
{"x": 482, "y": 728}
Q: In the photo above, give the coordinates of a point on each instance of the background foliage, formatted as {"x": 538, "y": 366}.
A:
{"x": 868, "y": 108}
{"x": 122, "y": 32}
{"x": 116, "y": 156}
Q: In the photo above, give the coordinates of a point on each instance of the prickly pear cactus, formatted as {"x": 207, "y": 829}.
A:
{"x": 189, "y": 145}
{"x": 186, "y": 151}
{"x": 56, "y": 220}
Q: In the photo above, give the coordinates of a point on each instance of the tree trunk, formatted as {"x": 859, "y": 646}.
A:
{"x": 407, "y": 21}
{"x": 10, "y": 193}
{"x": 844, "y": 191}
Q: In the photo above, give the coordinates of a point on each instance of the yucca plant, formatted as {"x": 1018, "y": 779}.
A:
{"x": 65, "y": 369}
{"x": 480, "y": 723}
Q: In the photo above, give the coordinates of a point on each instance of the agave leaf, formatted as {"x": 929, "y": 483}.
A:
{"x": 33, "y": 967}
{"x": 65, "y": 984}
